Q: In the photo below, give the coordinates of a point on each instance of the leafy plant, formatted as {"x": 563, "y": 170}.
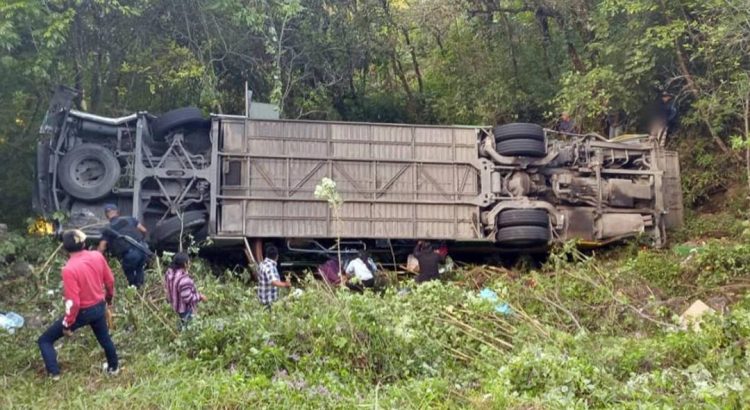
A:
{"x": 326, "y": 190}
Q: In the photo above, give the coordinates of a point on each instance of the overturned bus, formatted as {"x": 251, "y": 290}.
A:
{"x": 513, "y": 187}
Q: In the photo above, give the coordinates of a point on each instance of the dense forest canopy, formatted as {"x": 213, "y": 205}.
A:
{"x": 418, "y": 61}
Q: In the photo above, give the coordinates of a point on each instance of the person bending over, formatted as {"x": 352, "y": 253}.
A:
{"x": 363, "y": 268}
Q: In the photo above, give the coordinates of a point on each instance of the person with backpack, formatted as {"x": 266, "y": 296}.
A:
{"x": 124, "y": 238}
{"x": 180, "y": 288}
{"x": 88, "y": 290}
{"x": 363, "y": 268}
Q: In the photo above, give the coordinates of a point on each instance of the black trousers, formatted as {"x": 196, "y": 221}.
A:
{"x": 360, "y": 287}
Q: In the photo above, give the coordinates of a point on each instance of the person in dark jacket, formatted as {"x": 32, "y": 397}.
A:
{"x": 180, "y": 289}
{"x": 429, "y": 261}
{"x": 88, "y": 285}
{"x": 133, "y": 258}
{"x": 664, "y": 119}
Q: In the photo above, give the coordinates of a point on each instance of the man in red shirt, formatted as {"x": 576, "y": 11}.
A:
{"x": 87, "y": 284}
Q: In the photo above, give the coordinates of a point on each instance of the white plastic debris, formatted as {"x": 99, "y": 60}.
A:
{"x": 11, "y": 321}
{"x": 692, "y": 316}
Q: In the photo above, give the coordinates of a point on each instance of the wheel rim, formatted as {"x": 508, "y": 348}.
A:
{"x": 89, "y": 172}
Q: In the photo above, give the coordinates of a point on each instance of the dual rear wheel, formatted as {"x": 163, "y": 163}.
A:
{"x": 523, "y": 228}
{"x": 520, "y": 140}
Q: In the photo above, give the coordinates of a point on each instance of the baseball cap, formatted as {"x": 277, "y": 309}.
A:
{"x": 110, "y": 207}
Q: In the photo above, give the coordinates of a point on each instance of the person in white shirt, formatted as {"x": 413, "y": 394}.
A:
{"x": 361, "y": 268}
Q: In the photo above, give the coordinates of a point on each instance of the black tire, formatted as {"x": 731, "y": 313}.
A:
{"x": 523, "y": 217}
{"x": 179, "y": 118}
{"x": 522, "y": 148}
{"x": 157, "y": 147}
{"x": 169, "y": 229}
{"x": 528, "y": 236}
{"x": 518, "y": 130}
{"x": 88, "y": 171}
{"x": 197, "y": 140}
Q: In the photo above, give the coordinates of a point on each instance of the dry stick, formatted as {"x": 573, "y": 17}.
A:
{"x": 158, "y": 316}
{"x": 506, "y": 331}
{"x": 561, "y": 307}
{"x": 473, "y": 329}
{"x": 499, "y": 321}
{"x": 393, "y": 254}
{"x": 49, "y": 260}
{"x": 616, "y": 299}
{"x": 456, "y": 353}
{"x": 251, "y": 258}
{"x": 478, "y": 339}
{"x": 468, "y": 328}
{"x": 531, "y": 320}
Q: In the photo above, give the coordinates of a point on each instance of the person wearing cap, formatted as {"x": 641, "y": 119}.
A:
{"x": 180, "y": 288}
{"x": 133, "y": 258}
{"x": 88, "y": 289}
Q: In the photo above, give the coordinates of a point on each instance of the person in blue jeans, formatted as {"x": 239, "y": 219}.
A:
{"x": 88, "y": 287}
{"x": 132, "y": 258}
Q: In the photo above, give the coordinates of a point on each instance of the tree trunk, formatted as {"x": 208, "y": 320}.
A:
{"x": 414, "y": 62}
{"x": 511, "y": 47}
{"x": 541, "y": 18}
{"x": 399, "y": 71}
{"x": 693, "y": 89}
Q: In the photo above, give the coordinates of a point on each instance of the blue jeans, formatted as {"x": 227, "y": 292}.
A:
{"x": 92, "y": 316}
{"x": 185, "y": 318}
{"x": 133, "y": 262}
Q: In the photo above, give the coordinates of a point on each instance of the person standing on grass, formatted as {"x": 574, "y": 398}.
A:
{"x": 269, "y": 280}
{"x": 180, "y": 288}
{"x": 88, "y": 288}
{"x": 132, "y": 257}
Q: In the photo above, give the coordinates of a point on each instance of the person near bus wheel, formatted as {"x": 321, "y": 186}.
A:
{"x": 124, "y": 238}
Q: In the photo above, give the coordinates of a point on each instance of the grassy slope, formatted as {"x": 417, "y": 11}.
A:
{"x": 600, "y": 337}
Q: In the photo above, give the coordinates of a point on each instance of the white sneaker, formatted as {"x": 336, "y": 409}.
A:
{"x": 55, "y": 378}
{"x": 105, "y": 368}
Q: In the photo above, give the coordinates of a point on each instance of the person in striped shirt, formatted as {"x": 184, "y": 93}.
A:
{"x": 180, "y": 288}
{"x": 269, "y": 279}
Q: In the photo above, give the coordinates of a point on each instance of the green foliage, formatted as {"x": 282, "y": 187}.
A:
{"x": 396, "y": 350}
{"x": 659, "y": 269}
{"x": 719, "y": 225}
{"x": 719, "y": 261}
{"x": 704, "y": 171}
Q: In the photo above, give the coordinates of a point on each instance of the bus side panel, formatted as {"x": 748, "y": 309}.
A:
{"x": 396, "y": 181}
